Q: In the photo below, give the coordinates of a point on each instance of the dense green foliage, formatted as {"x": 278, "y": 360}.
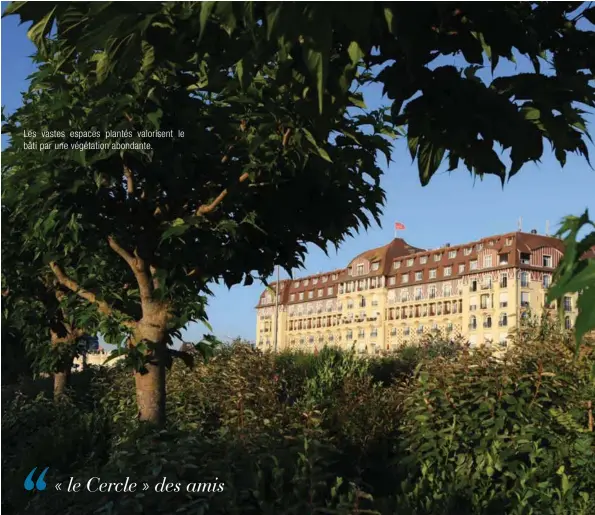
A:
{"x": 431, "y": 430}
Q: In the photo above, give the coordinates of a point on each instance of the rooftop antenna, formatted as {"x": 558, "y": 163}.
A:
{"x": 547, "y": 227}
{"x": 520, "y": 223}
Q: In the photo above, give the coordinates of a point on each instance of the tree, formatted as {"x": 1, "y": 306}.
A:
{"x": 257, "y": 175}
{"x": 457, "y": 113}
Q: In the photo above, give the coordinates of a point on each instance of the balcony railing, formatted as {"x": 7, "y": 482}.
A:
{"x": 486, "y": 286}
{"x": 487, "y": 325}
{"x": 472, "y": 326}
{"x": 503, "y": 323}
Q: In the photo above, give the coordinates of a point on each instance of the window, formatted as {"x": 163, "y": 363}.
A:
{"x": 315, "y": 280}
{"x": 547, "y": 261}
{"x": 321, "y": 292}
{"x": 361, "y": 333}
{"x": 349, "y": 335}
{"x": 525, "y": 299}
{"x": 452, "y": 254}
{"x": 334, "y": 277}
{"x": 418, "y": 293}
{"x": 311, "y": 339}
{"x": 503, "y": 322}
{"x": 306, "y": 282}
{"x": 324, "y": 279}
{"x": 423, "y": 260}
{"x": 374, "y": 332}
{"x": 393, "y": 331}
{"x": 503, "y": 259}
{"x": 525, "y": 258}
{"x": 567, "y": 304}
{"x": 405, "y": 278}
{"x": 410, "y": 262}
{"x": 491, "y": 243}
{"x": 362, "y": 302}
{"x": 329, "y": 290}
{"x": 292, "y": 297}
{"x": 567, "y": 324}
{"x": 524, "y": 279}
{"x": 472, "y": 322}
{"x": 547, "y": 280}
{"x": 487, "y": 261}
{"x": 349, "y": 304}
{"x": 432, "y": 292}
{"x": 420, "y": 329}
{"x": 296, "y": 284}
{"x": 302, "y": 296}
{"x": 503, "y": 281}
{"x": 406, "y": 331}
{"x": 504, "y": 300}
{"x": 467, "y": 251}
{"x": 461, "y": 268}
{"x": 433, "y": 273}
{"x": 447, "y": 290}
{"x": 310, "y": 294}
{"x": 487, "y": 322}
{"x": 473, "y": 265}
{"x": 508, "y": 242}
{"x": 418, "y": 276}
{"x": 484, "y": 302}
{"x": 447, "y": 271}
{"x": 396, "y": 264}
{"x": 437, "y": 257}
{"x": 375, "y": 266}
{"x": 392, "y": 281}
{"x": 359, "y": 269}
{"x": 479, "y": 247}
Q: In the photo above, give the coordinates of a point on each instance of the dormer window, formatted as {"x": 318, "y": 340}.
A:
{"x": 306, "y": 282}
{"x": 410, "y": 262}
{"x": 315, "y": 281}
{"x": 452, "y": 254}
{"x": 423, "y": 260}
{"x": 467, "y": 251}
{"x": 324, "y": 279}
{"x": 375, "y": 266}
{"x": 359, "y": 269}
{"x": 296, "y": 284}
{"x": 396, "y": 264}
{"x": 437, "y": 257}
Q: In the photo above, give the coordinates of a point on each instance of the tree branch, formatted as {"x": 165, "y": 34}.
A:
{"x": 207, "y": 208}
{"x": 66, "y": 281}
{"x": 129, "y": 180}
{"x": 138, "y": 267}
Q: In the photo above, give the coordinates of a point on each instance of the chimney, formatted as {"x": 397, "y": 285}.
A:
{"x": 447, "y": 245}
{"x": 533, "y": 231}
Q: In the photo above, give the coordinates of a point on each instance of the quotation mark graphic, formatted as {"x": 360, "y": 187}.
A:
{"x": 39, "y": 484}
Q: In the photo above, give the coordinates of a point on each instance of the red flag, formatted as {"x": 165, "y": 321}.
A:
{"x": 399, "y": 226}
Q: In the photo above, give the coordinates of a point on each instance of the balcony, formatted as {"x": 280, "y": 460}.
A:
{"x": 486, "y": 286}
{"x": 503, "y": 304}
{"x": 487, "y": 325}
{"x": 473, "y": 327}
{"x": 524, "y": 304}
{"x": 503, "y": 323}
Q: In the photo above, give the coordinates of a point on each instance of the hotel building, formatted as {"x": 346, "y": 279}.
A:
{"x": 392, "y": 295}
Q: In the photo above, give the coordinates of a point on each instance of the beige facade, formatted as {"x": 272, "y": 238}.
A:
{"x": 393, "y": 295}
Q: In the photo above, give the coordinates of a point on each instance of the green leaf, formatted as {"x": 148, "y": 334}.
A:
{"x": 321, "y": 152}
{"x": 206, "y": 8}
{"x": 429, "y": 159}
{"x": 355, "y": 52}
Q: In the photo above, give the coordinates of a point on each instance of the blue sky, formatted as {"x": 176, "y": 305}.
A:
{"x": 453, "y": 208}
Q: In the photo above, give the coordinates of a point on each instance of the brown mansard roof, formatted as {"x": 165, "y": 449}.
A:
{"x": 399, "y": 250}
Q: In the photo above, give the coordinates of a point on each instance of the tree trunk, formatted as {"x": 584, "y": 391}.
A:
{"x": 150, "y": 394}
{"x": 150, "y": 385}
{"x": 61, "y": 380}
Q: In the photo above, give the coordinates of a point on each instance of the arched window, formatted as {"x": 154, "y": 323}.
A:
{"x": 567, "y": 324}
{"x": 503, "y": 320}
{"x": 487, "y": 321}
{"x": 472, "y": 322}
